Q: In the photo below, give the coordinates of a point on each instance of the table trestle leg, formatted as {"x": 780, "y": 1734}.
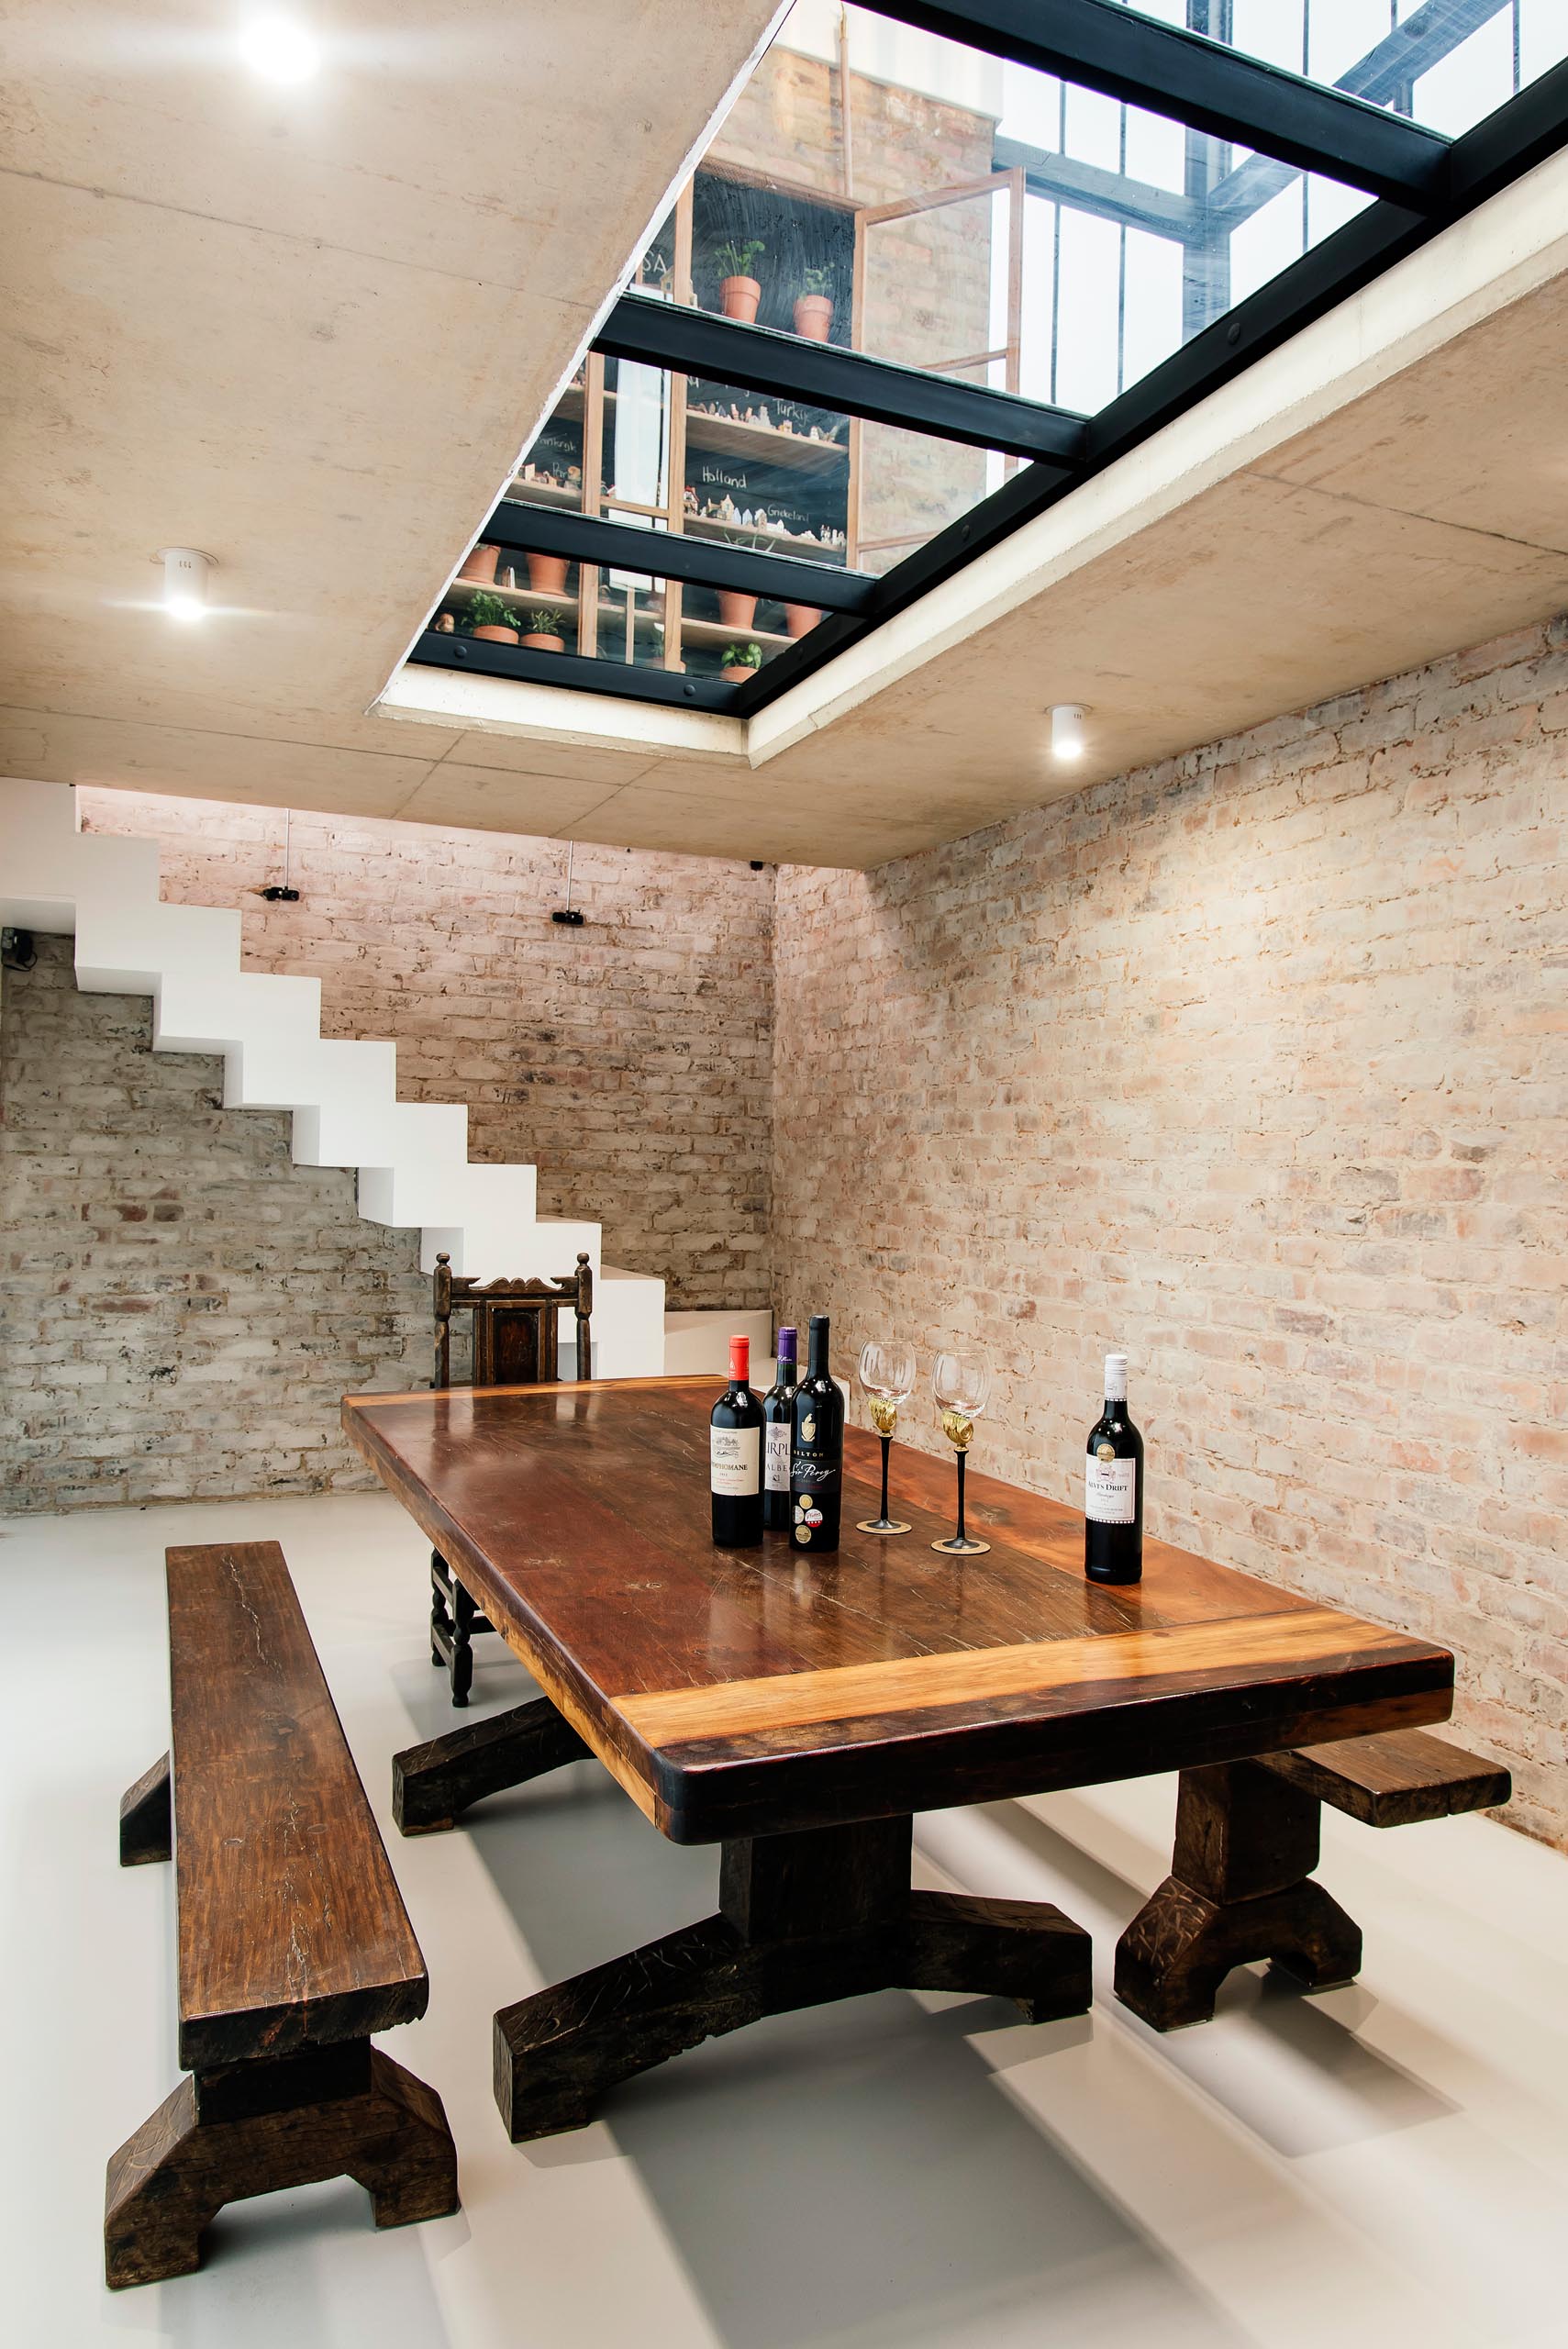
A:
{"x": 432, "y": 1783}
{"x": 1239, "y": 1890}
{"x": 804, "y": 1919}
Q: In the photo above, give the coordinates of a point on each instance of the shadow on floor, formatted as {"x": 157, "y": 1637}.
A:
{"x": 1343, "y": 2091}
{"x": 852, "y": 2175}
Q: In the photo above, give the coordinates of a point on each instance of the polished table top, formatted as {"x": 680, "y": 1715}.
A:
{"x": 746, "y": 1692}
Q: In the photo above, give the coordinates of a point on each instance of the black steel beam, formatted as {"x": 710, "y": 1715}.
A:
{"x": 1111, "y": 195}
{"x": 671, "y": 554}
{"x": 1382, "y": 75}
{"x": 823, "y": 374}
{"x": 1509, "y": 142}
{"x": 483, "y": 659}
{"x": 1193, "y": 80}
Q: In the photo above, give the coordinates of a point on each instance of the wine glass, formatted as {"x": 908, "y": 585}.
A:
{"x": 960, "y": 1388}
{"x": 887, "y": 1379}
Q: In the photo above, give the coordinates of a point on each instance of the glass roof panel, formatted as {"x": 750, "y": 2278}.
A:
{"x": 967, "y": 214}
{"x": 1445, "y": 63}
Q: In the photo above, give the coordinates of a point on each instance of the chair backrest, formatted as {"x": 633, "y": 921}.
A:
{"x": 515, "y": 1324}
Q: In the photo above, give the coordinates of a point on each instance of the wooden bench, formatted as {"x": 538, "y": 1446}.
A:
{"x": 293, "y": 1941}
{"x": 1240, "y": 1889}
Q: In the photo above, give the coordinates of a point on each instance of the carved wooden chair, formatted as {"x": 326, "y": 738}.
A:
{"x": 514, "y": 1343}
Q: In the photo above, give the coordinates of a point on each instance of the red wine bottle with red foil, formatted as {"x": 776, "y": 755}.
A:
{"x": 735, "y": 1456}
{"x": 1113, "y": 1488}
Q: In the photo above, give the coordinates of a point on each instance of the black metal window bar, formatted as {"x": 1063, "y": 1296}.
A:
{"x": 1358, "y": 131}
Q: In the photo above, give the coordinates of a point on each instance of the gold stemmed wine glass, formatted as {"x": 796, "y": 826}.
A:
{"x": 887, "y": 1379}
{"x": 960, "y": 1388}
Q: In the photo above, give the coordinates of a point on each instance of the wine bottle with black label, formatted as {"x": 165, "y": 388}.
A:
{"x": 1113, "y": 1488}
{"x": 735, "y": 1456}
{"x": 817, "y": 1451}
{"x": 778, "y": 1411}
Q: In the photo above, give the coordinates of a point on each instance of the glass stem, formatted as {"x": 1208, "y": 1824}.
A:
{"x": 961, "y": 1535}
{"x": 886, "y": 1447}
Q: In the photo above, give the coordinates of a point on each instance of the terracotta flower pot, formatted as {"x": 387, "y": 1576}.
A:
{"x": 801, "y": 618}
{"x": 738, "y": 673}
{"x": 735, "y": 611}
{"x": 545, "y": 644}
{"x": 738, "y": 297}
{"x": 547, "y": 572}
{"x": 479, "y": 565}
{"x": 497, "y": 635}
{"x": 813, "y": 316}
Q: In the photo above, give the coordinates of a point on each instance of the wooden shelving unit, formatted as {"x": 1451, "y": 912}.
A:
{"x": 760, "y": 460}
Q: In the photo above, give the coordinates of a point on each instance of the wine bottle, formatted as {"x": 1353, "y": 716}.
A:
{"x": 778, "y": 1411}
{"x": 1113, "y": 1483}
{"x": 817, "y": 1450}
{"x": 735, "y": 1456}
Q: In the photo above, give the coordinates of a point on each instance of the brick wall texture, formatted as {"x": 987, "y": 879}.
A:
{"x": 1256, "y": 1065}
{"x": 183, "y": 1304}
{"x": 629, "y": 1060}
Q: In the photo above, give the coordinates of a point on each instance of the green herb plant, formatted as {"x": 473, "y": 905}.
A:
{"x": 489, "y": 611}
{"x": 735, "y": 260}
{"x": 742, "y": 656}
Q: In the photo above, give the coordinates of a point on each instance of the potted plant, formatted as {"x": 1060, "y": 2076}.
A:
{"x": 479, "y": 565}
{"x": 742, "y": 662}
{"x": 739, "y": 292}
{"x": 542, "y": 633}
{"x": 737, "y": 611}
{"x": 489, "y": 618}
{"x": 800, "y": 619}
{"x": 814, "y": 309}
{"x": 547, "y": 574}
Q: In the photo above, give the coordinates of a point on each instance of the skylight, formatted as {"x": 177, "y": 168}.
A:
{"x": 940, "y": 262}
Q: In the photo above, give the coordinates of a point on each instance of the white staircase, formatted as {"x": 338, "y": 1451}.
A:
{"x": 411, "y": 1157}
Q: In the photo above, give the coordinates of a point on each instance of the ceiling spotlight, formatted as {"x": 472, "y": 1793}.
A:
{"x": 280, "y": 50}
{"x": 1067, "y": 729}
{"x": 184, "y": 582}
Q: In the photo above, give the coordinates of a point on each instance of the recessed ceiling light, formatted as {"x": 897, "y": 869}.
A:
{"x": 1067, "y": 729}
{"x": 280, "y": 50}
{"x": 184, "y": 582}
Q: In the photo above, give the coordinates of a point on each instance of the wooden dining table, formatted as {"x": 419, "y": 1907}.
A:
{"x": 798, "y": 1708}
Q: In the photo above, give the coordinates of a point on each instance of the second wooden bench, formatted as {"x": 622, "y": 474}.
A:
{"x": 1241, "y": 1887}
{"x": 293, "y": 1941}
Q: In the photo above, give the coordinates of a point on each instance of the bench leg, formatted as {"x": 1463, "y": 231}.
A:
{"x": 345, "y": 2112}
{"x": 803, "y": 1919}
{"x": 147, "y": 1829}
{"x": 1239, "y": 1890}
{"x": 432, "y": 1783}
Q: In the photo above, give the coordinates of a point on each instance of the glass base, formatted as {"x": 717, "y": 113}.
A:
{"x": 954, "y": 1548}
{"x": 883, "y": 1525}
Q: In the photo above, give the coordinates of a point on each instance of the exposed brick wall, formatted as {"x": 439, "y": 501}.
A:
{"x": 629, "y": 1060}
{"x": 1255, "y": 1064}
{"x": 183, "y": 1305}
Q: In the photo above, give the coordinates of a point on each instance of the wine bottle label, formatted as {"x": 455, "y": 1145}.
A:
{"x": 777, "y": 1469}
{"x": 1110, "y": 1489}
{"x": 736, "y": 1460}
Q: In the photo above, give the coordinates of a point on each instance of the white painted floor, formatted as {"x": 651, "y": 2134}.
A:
{"x": 1382, "y": 2164}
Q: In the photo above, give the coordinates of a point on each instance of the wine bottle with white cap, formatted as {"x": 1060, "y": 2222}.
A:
{"x": 1113, "y": 1488}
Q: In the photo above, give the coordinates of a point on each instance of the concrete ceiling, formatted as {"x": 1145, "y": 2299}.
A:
{"x": 310, "y": 335}
{"x": 306, "y": 330}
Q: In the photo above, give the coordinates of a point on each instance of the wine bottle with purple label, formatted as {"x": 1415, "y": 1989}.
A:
{"x": 778, "y": 1411}
{"x": 1113, "y": 1488}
